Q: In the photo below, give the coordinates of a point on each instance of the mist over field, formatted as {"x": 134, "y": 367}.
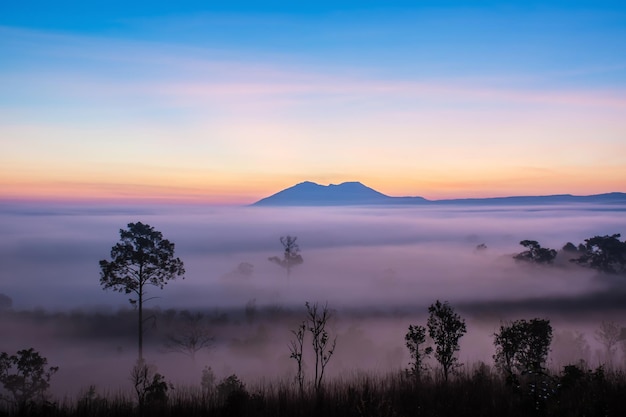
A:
{"x": 378, "y": 269}
{"x": 353, "y": 257}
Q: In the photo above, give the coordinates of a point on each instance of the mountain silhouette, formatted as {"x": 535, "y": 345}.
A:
{"x": 311, "y": 194}
{"x": 356, "y": 194}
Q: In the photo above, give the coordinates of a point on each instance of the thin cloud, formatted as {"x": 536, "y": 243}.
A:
{"x": 215, "y": 75}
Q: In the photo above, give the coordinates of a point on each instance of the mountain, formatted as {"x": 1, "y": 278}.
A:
{"x": 356, "y": 194}
{"x": 346, "y": 194}
{"x": 607, "y": 198}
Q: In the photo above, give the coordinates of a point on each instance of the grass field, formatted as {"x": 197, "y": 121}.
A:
{"x": 575, "y": 391}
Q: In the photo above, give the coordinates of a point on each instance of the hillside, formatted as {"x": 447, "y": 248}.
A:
{"x": 356, "y": 194}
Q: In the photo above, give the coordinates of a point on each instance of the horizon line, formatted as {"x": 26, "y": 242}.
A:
{"x": 207, "y": 200}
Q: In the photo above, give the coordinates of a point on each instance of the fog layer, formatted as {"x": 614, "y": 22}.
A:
{"x": 377, "y": 268}
{"x": 353, "y": 257}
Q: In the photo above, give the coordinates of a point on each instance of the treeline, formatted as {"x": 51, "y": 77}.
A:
{"x": 606, "y": 254}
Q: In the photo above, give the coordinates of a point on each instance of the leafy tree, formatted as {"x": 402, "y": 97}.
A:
{"x": 150, "y": 386}
{"x": 141, "y": 258}
{"x": 232, "y": 392}
{"x": 415, "y": 337}
{"x": 25, "y": 376}
{"x": 569, "y": 247}
{"x": 446, "y": 328}
{"x": 535, "y": 253}
{"x": 230, "y": 386}
{"x": 604, "y": 253}
{"x": 234, "y": 395}
{"x": 291, "y": 255}
{"x": 522, "y": 346}
{"x": 569, "y": 251}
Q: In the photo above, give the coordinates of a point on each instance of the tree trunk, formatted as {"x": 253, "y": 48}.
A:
{"x": 140, "y": 301}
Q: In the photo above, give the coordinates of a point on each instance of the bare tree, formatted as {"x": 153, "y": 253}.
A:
{"x": 608, "y": 334}
{"x": 571, "y": 346}
{"x": 191, "y": 337}
{"x": 317, "y": 321}
{"x": 141, "y": 258}
{"x": 296, "y": 347}
{"x": 291, "y": 256}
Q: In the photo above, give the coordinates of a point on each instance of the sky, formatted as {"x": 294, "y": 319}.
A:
{"x": 228, "y": 103}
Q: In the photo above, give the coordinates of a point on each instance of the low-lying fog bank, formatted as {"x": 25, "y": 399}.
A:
{"x": 378, "y": 269}
{"x": 253, "y": 342}
{"x": 352, "y": 256}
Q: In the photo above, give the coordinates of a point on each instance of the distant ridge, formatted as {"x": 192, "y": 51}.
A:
{"x": 345, "y": 194}
{"x": 354, "y": 193}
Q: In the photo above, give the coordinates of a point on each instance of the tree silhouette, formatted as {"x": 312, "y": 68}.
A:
{"x": 295, "y": 349}
{"x": 25, "y": 377}
{"x": 317, "y": 318}
{"x": 141, "y": 258}
{"x": 535, "y": 253}
{"x": 522, "y": 347}
{"x": 415, "y": 337}
{"x": 569, "y": 247}
{"x": 190, "y": 337}
{"x": 604, "y": 253}
{"x": 316, "y": 321}
{"x": 608, "y": 334}
{"x": 445, "y": 327}
{"x": 291, "y": 256}
{"x": 150, "y": 386}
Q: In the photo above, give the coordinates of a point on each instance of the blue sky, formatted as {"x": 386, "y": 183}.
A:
{"x": 441, "y": 37}
{"x": 413, "y": 98}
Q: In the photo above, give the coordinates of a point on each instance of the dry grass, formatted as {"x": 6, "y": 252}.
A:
{"x": 480, "y": 392}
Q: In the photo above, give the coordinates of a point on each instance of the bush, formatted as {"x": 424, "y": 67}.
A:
{"x": 25, "y": 377}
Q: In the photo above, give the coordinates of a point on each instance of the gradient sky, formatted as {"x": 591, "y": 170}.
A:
{"x": 230, "y": 103}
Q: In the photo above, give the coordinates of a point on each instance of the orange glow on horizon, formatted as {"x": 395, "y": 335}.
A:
{"x": 241, "y": 191}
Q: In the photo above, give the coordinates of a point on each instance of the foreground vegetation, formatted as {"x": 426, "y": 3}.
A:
{"x": 520, "y": 383}
{"x": 517, "y": 384}
{"x": 575, "y": 391}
